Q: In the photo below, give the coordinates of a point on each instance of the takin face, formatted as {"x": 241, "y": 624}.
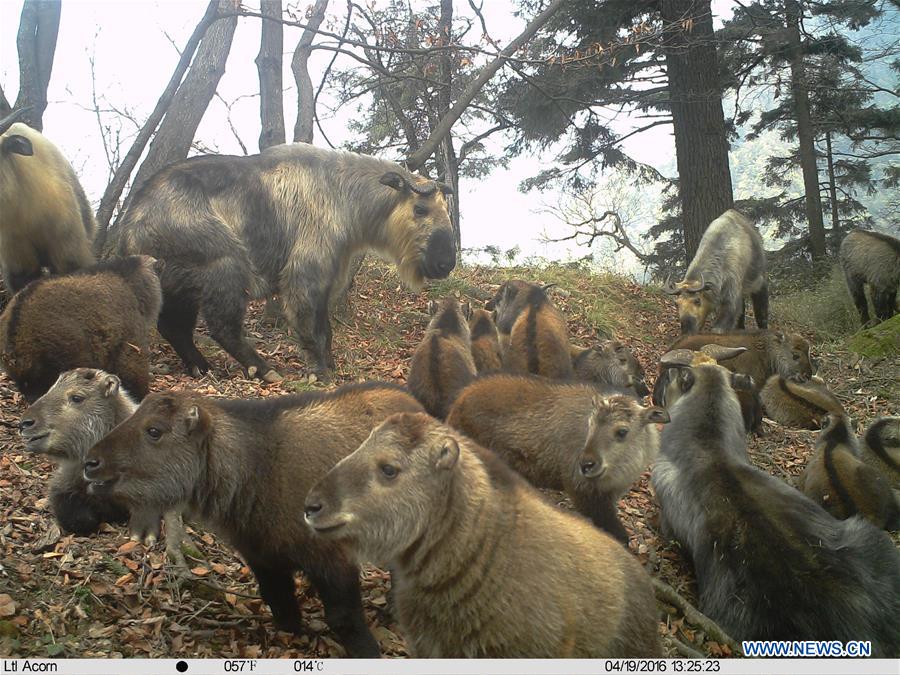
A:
{"x": 419, "y": 227}
{"x": 508, "y": 302}
{"x": 381, "y": 497}
{"x": 621, "y": 440}
{"x": 695, "y": 300}
{"x": 74, "y": 414}
{"x": 153, "y": 458}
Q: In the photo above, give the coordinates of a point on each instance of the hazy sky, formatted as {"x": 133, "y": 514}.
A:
{"x": 131, "y": 44}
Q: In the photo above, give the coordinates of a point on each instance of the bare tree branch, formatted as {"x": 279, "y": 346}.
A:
{"x": 268, "y": 65}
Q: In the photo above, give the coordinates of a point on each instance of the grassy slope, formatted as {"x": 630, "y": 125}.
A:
{"x": 104, "y": 596}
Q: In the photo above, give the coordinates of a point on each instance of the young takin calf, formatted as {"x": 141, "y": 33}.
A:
{"x": 485, "y": 342}
{"x": 100, "y": 317}
{"x": 801, "y": 405}
{"x": 592, "y": 442}
{"x": 611, "y": 363}
{"x": 442, "y": 363}
{"x": 538, "y": 337}
{"x": 482, "y": 566}
{"x": 81, "y": 408}
{"x": 771, "y": 564}
{"x": 244, "y": 468}
{"x": 843, "y": 484}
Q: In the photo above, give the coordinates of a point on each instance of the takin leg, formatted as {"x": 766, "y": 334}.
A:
{"x": 761, "y": 306}
{"x": 276, "y": 587}
{"x": 133, "y": 368}
{"x": 857, "y": 289}
{"x": 224, "y": 304}
{"x": 20, "y": 269}
{"x": 885, "y": 302}
{"x": 307, "y": 292}
{"x": 338, "y": 587}
{"x": 176, "y": 324}
{"x": 743, "y": 316}
{"x": 601, "y": 509}
{"x": 727, "y": 315}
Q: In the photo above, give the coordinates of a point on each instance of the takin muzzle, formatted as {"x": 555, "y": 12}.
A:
{"x": 440, "y": 255}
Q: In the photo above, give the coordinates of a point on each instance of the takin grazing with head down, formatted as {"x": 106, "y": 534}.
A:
{"x": 485, "y": 341}
{"x": 442, "y": 363}
{"x": 730, "y": 263}
{"x": 872, "y": 258}
{"x": 481, "y": 565}
{"x": 801, "y": 405}
{"x": 771, "y": 564}
{"x": 243, "y": 467}
{"x": 844, "y": 485}
{"x": 82, "y": 407}
{"x": 591, "y": 441}
{"x": 99, "y": 317}
{"x": 45, "y": 217}
{"x": 611, "y": 363}
{"x": 289, "y": 221}
{"x": 538, "y": 337}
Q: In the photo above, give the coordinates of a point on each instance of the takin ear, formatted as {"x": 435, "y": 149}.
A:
{"x": 447, "y": 455}
{"x": 685, "y": 379}
{"x": 394, "y": 180}
{"x": 657, "y": 415}
{"x": 466, "y": 310}
{"x": 741, "y": 382}
{"x": 433, "y": 307}
{"x": 17, "y": 145}
{"x": 196, "y": 420}
{"x": 111, "y": 385}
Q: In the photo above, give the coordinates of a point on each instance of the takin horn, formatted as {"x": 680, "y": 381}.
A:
{"x": 720, "y": 353}
{"x": 677, "y": 357}
{"x": 13, "y": 117}
{"x": 669, "y": 288}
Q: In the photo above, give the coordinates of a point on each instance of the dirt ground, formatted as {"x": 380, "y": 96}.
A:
{"x": 106, "y": 596}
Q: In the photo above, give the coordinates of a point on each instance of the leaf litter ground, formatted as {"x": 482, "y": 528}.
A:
{"x": 103, "y": 596}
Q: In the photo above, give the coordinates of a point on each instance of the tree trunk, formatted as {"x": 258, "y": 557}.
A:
{"x": 114, "y": 190}
{"x": 695, "y": 95}
{"x": 805, "y": 134}
{"x": 832, "y": 190}
{"x": 303, "y": 129}
{"x": 36, "y": 42}
{"x": 173, "y": 139}
{"x": 445, "y": 96}
{"x": 269, "y": 65}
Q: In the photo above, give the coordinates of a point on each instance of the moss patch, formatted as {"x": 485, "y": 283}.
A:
{"x": 880, "y": 341}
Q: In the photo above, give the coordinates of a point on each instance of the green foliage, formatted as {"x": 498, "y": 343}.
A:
{"x": 878, "y": 341}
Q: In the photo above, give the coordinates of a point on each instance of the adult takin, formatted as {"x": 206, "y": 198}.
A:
{"x": 730, "y": 263}
{"x": 99, "y": 317}
{"x": 442, "y": 363}
{"x": 486, "y": 350}
{"x": 881, "y": 449}
{"x": 771, "y": 564}
{"x": 481, "y": 565}
{"x": 289, "y": 220}
{"x": 802, "y": 405}
{"x": 872, "y": 258}
{"x": 45, "y": 217}
{"x": 844, "y": 485}
{"x": 243, "y": 467}
{"x": 589, "y": 440}
{"x": 80, "y": 408}
{"x": 538, "y": 337}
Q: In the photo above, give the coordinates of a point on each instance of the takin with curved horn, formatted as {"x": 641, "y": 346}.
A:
{"x": 45, "y": 217}
{"x": 289, "y": 221}
{"x": 730, "y": 263}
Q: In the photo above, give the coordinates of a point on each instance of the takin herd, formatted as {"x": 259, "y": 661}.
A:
{"x": 437, "y": 481}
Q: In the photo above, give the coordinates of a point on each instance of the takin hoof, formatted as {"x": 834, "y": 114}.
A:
{"x": 271, "y": 376}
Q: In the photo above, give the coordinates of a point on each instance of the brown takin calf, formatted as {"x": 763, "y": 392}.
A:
{"x": 485, "y": 341}
{"x": 244, "y": 468}
{"x": 801, "y": 405}
{"x": 881, "y": 449}
{"x": 442, "y": 363}
{"x": 538, "y": 337}
{"x": 100, "y": 317}
{"x": 843, "y": 484}
{"x": 611, "y": 363}
{"x": 481, "y": 565}
{"x": 589, "y": 441}
{"x": 79, "y": 409}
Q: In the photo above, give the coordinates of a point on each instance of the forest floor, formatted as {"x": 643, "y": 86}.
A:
{"x": 104, "y": 595}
